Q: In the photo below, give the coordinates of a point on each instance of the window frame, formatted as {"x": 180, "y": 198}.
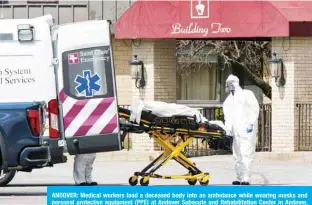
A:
{"x": 42, "y": 1}
{"x": 203, "y": 103}
{"x": 109, "y": 73}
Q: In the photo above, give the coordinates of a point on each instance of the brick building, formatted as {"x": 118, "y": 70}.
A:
{"x": 286, "y": 23}
{"x": 155, "y": 46}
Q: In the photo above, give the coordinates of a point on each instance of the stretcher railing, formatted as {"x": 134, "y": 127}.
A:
{"x": 197, "y": 148}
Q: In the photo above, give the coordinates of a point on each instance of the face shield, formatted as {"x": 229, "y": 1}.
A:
{"x": 230, "y": 87}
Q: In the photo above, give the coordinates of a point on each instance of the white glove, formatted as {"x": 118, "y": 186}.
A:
{"x": 229, "y": 133}
{"x": 228, "y": 130}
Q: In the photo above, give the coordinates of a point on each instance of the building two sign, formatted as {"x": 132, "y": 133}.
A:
{"x": 193, "y": 28}
{"x": 199, "y": 10}
{"x": 196, "y": 19}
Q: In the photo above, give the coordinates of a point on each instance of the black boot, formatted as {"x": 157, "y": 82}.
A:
{"x": 245, "y": 183}
{"x": 93, "y": 184}
{"x": 236, "y": 183}
{"x": 82, "y": 184}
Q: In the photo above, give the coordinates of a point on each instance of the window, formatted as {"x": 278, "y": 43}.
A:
{"x": 203, "y": 86}
{"x": 200, "y": 84}
{"x": 88, "y": 73}
{"x": 42, "y": 1}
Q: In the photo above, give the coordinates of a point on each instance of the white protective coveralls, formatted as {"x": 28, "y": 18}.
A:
{"x": 241, "y": 112}
{"x": 83, "y": 166}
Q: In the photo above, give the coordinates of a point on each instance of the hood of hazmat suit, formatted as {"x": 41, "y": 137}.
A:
{"x": 241, "y": 112}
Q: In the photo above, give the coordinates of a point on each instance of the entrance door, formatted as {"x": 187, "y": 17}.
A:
{"x": 87, "y": 88}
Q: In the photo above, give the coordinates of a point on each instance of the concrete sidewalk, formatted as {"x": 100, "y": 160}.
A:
{"x": 220, "y": 167}
{"x": 30, "y": 188}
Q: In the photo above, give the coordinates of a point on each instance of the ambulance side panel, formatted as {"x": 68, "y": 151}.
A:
{"x": 26, "y": 72}
{"x": 87, "y": 87}
{"x": 26, "y": 80}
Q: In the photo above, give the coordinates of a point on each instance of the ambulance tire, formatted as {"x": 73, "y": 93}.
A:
{"x": 7, "y": 178}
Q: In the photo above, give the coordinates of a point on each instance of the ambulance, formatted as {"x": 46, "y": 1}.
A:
{"x": 63, "y": 78}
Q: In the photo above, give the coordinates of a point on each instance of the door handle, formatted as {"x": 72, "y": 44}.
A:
{"x": 76, "y": 144}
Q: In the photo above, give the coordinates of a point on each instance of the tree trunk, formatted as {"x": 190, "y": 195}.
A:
{"x": 265, "y": 87}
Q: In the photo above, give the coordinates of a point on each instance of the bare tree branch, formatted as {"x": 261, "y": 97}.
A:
{"x": 246, "y": 55}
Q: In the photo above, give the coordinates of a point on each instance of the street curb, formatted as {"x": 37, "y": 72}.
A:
{"x": 150, "y": 155}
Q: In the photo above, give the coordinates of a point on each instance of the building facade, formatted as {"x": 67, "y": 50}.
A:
{"x": 203, "y": 87}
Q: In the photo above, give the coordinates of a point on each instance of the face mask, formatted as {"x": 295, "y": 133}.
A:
{"x": 230, "y": 88}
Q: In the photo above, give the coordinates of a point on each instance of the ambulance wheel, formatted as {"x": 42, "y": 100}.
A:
{"x": 192, "y": 182}
{"x": 144, "y": 181}
{"x": 133, "y": 181}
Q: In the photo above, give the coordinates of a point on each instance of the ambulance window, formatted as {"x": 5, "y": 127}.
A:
{"x": 87, "y": 73}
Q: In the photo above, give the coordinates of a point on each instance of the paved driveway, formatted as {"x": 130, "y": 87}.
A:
{"x": 30, "y": 188}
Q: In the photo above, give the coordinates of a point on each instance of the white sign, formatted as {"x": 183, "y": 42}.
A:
{"x": 94, "y": 56}
{"x": 199, "y": 9}
{"x": 193, "y": 28}
{"x": 88, "y": 56}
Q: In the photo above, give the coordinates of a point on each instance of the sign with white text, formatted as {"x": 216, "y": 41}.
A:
{"x": 179, "y": 195}
{"x": 196, "y": 19}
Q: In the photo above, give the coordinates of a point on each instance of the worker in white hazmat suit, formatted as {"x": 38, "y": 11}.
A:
{"x": 241, "y": 112}
{"x": 83, "y": 166}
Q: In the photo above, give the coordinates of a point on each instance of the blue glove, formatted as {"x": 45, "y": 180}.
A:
{"x": 249, "y": 128}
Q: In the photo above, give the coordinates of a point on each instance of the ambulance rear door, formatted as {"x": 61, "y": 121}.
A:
{"x": 86, "y": 87}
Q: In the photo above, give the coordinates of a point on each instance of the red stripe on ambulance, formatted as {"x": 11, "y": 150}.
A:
{"x": 74, "y": 112}
{"x": 63, "y": 96}
{"x": 111, "y": 126}
{"x": 91, "y": 123}
{"x": 94, "y": 116}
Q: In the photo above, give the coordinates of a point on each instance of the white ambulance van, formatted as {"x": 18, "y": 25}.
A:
{"x": 70, "y": 68}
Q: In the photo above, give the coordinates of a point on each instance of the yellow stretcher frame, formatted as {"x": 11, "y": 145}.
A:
{"x": 162, "y": 136}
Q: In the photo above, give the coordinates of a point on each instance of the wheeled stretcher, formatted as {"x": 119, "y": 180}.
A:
{"x": 165, "y": 130}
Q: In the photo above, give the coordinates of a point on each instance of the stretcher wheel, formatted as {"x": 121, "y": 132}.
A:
{"x": 133, "y": 181}
{"x": 144, "y": 181}
{"x": 204, "y": 181}
{"x": 192, "y": 182}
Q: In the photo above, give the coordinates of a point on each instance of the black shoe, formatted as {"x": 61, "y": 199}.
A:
{"x": 93, "y": 184}
{"x": 82, "y": 184}
{"x": 245, "y": 183}
{"x": 236, "y": 183}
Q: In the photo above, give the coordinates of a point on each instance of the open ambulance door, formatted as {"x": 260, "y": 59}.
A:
{"x": 86, "y": 87}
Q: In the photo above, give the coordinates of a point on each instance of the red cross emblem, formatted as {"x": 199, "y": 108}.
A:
{"x": 73, "y": 58}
